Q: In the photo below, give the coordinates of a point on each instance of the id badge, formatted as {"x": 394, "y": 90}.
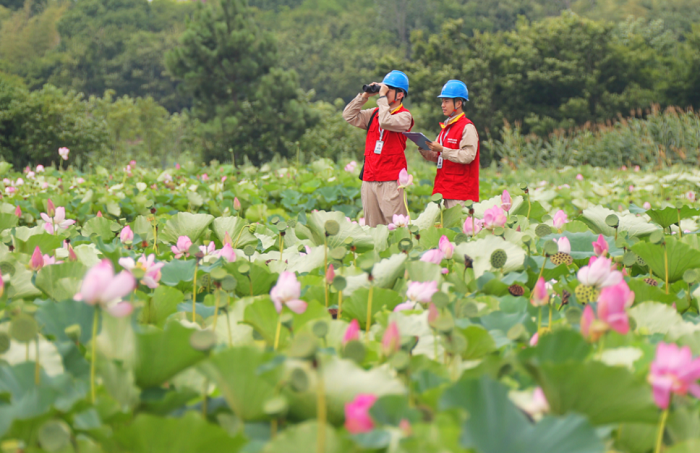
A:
{"x": 439, "y": 162}
{"x": 378, "y": 147}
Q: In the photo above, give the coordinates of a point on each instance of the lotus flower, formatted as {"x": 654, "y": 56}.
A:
{"x": 357, "y": 419}
{"x": 287, "y": 292}
{"x": 49, "y": 260}
{"x": 18, "y": 211}
{"x": 182, "y": 247}
{"x": 63, "y": 152}
{"x": 352, "y": 332}
{"x": 674, "y": 370}
{"x": 560, "y": 219}
{"x": 37, "y": 261}
{"x": 446, "y": 247}
{"x": 236, "y": 204}
{"x": 52, "y": 224}
{"x": 612, "y": 303}
{"x": 39, "y": 168}
{"x": 101, "y": 286}
{"x": 398, "y": 221}
{"x": 208, "y": 250}
{"x": 506, "y": 201}
{"x": 535, "y": 338}
{"x": 600, "y": 246}
{"x": 433, "y": 314}
{"x": 646, "y": 205}
{"x": 564, "y": 246}
{"x": 205, "y": 177}
{"x": 227, "y": 252}
{"x": 599, "y": 273}
{"x": 467, "y": 227}
{"x": 126, "y": 236}
{"x": 690, "y": 195}
{"x": 421, "y": 291}
{"x": 405, "y": 180}
{"x": 540, "y": 296}
{"x": 434, "y": 256}
{"x": 391, "y": 339}
{"x": 351, "y": 166}
{"x": 148, "y": 265}
{"x": 330, "y": 274}
{"x": 579, "y": 177}
{"x": 10, "y": 190}
{"x": 494, "y": 217}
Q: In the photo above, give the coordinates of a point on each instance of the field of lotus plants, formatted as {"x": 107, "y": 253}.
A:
{"x": 221, "y": 309}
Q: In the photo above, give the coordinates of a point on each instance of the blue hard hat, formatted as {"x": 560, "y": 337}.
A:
{"x": 455, "y": 89}
{"x": 396, "y": 79}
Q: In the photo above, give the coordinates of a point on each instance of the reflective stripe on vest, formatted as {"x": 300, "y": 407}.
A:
{"x": 387, "y": 165}
{"x": 457, "y": 181}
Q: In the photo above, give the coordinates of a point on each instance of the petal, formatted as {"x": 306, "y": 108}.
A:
{"x": 121, "y": 285}
{"x": 49, "y": 228}
{"x": 95, "y": 281}
{"x": 297, "y": 306}
{"x": 60, "y": 214}
{"x": 46, "y": 218}
{"x": 120, "y": 310}
{"x": 127, "y": 263}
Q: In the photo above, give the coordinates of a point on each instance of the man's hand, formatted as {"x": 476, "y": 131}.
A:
{"x": 435, "y": 147}
{"x": 383, "y": 90}
{"x": 428, "y": 155}
{"x": 369, "y": 95}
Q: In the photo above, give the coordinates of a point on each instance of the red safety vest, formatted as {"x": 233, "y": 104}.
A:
{"x": 387, "y": 165}
{"x": 457, "y": 181}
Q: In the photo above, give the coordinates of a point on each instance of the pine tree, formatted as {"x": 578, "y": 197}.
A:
{"x": 246, "y": 103}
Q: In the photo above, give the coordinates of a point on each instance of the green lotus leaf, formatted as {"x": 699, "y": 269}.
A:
{"x": 595, "y": 217}
{"x": 45, "y": 241}
{"x": 316, "y": 223}
{"x": 61, "y": 281}
{"x": 236, "y": 229}
{"x": 688, "y": 446}
{"x": 681, "y": 257}
{"x": 262, "y": 316}
{"x": 355, "y": 307}
{"x": 385, "y": 273}
{"x": 669, "y": 216}
{"x": 480, "y": 251}
{"x": 100, "y": 226}
{"x": 185, "y": 224}
{"x": 8, "y": 220}
{"x": 304, "y": 437}
{"x": 428, "y": 217}
{"x": 421, "y": 271}
{"x": 652, "y": 317}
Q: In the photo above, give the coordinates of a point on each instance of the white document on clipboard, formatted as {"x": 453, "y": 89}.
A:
{"x": 419, "y": 139}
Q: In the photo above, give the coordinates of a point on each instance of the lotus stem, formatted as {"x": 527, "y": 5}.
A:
{"x": 340, "y": 303}
{"x": 666, "y": 266}
{"x": 228, "y": 324}
{"x": 442, "y": 220}
{"x": 325, "y": 289}
{"x": 549, "y": 324}
{"x": 660, "y": 434}
{"x": 95, "y": 321}
{"x": 369, "y": 309}
{"x": 680, "y": 230}
{"x": 320, "y": 410}
{"x": 405, "y": 203}
{"x": 204, "y": 399}
{"x": 277, "y": 332}
{"x": 325, "y": 251}
{"x": 155, "y": 238}
{"x": 529, "y": 205}
{"x": 544, "y": 263}
{"x": 239, "y": 237}
{"x": 216, "y": 308}
{"x": 250, "y": 280}
{"x": 194, "y": 292}
{"x": 37, "y": 367}
{"x": 539, "y": 321}
{"x": 273, "y": 428}
{"x": 281, "y": 246}
{"x": 435, "y": 344}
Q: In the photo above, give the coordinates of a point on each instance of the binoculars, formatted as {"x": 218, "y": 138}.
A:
{"x": 371, "y": 88}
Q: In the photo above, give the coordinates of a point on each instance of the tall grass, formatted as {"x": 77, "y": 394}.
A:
{"x": 657, "y": 138}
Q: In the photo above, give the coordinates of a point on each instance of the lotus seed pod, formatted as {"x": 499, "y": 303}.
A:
{"x": 203, "y": 340}
{"x": 24, "y": 328}
{"x": 586, "y": 294}
{"x": 206, "y": 280}
{"x": 498, "y": 258}
{"x": 252, "y": 227}
{"x": 332, "y": 227}
{"x": 543, "y": 230}
{"x": 516, "y": 290}
{"x": 298, "y": 380}
{"x": 641, "y": 262}
{"x": 561, "y": 258}
{"x": 651, "y": 282}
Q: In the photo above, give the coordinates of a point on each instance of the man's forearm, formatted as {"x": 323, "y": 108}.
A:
{"x": 354, "y": 114}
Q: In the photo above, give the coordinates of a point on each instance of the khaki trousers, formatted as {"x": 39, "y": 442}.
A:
{"x": 380, "y": 201}
{"x": 452, "y": 203}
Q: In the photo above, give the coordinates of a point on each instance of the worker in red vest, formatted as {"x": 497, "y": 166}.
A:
{"x": 384, "y": 147}
{"x": 456, "y": 149}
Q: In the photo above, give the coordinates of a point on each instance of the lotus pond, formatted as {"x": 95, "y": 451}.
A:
{"x": 249, "y": 310}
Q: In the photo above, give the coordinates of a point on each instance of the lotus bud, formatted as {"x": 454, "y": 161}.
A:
{"x": 99, "y": 214}
{"x": 37, "y": 261}
{"x": 330, "y": 274}
{"x": 391, "y": 339}
{"x": 236, "y": 204}
{"x": 18, "y": 211}
{"x": 227, "y": 239}
{"x": 126, "y": 236}
{"x": 50, "y": 208}
{"x": 352, "y": 332}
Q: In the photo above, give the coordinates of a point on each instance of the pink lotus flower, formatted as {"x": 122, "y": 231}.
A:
{"x": 560, "y": 219}
{"x": 612, "y": 303}
{"x": 351, "y": 166}
{"x": 50, "y": 208}
{"x": 433, "y": 314}
{"x": 37, "y": 261}
{"x": 579, "y": 177}
{"x": 391, "y": 339}
{"x": 126, "y": 236}
{"x": 357, "y": 419}
{"x": 148, "y": 265}
{"x": 408, "y": 305}
{"x": 690, "y": 195}
{"x": 227, "y": 252}
{"x": 287, "y": 292}
{"x": 208, "y": 250}
{"x": 80, "y": 180}
{"x": 494, "y": 217}
{"x": 31, "y": 175}
{"x": 539, "y": 296}
{"x": 352, "y": 332}
{"x": 446, "y": 247}
{"x": 405, "y": 180}
{"x": 361, "y": 221}
{"x": 506, "y": 201}
{"x": 434, "y": 256}
{"x": 398, "y": 221}
{"x": 39, "y": 168}
{"x": 182, "y": 247}
{"x": 205, "y": 177}
{"x": 467, "y": 227}
{"x": 421, "y": 291}
{"x": 10, "y": 190}
{"x": 636, "y": 168}
{"x": 63, "y": 152}
{"x": 52, "y": 224}
{"x": 330, "y": 274}
{"x": 49, "y": 260}
{"x": 599, "y": 273}
{"x": 600, "y": 246}
{"x": 674, "y": 370}
{"x": 177, "y": 166}
{"x": 18, "y": 211}
{"x": 646, "y": 205}
{"x": 535, "y": 338}
{"x": 563, "y": 244}
{"x": 99, "y": 214}
{"x": 19, "y": 182}
{"x": 591, "y": 328}
{"x": 236, "y": 204}
{"x": 101, "y": 286}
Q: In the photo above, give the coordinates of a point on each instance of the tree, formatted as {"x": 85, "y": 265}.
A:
{"x": 245, "y": 103}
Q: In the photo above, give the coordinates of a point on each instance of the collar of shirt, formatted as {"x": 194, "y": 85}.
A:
{"x": 451, "y": 120}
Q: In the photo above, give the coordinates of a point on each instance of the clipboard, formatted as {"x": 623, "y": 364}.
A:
{"x": 419, "y": 139}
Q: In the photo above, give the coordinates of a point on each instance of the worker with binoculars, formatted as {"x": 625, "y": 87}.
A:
{"x": 384, "y": 146}
{"x": 456, "y": 149}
